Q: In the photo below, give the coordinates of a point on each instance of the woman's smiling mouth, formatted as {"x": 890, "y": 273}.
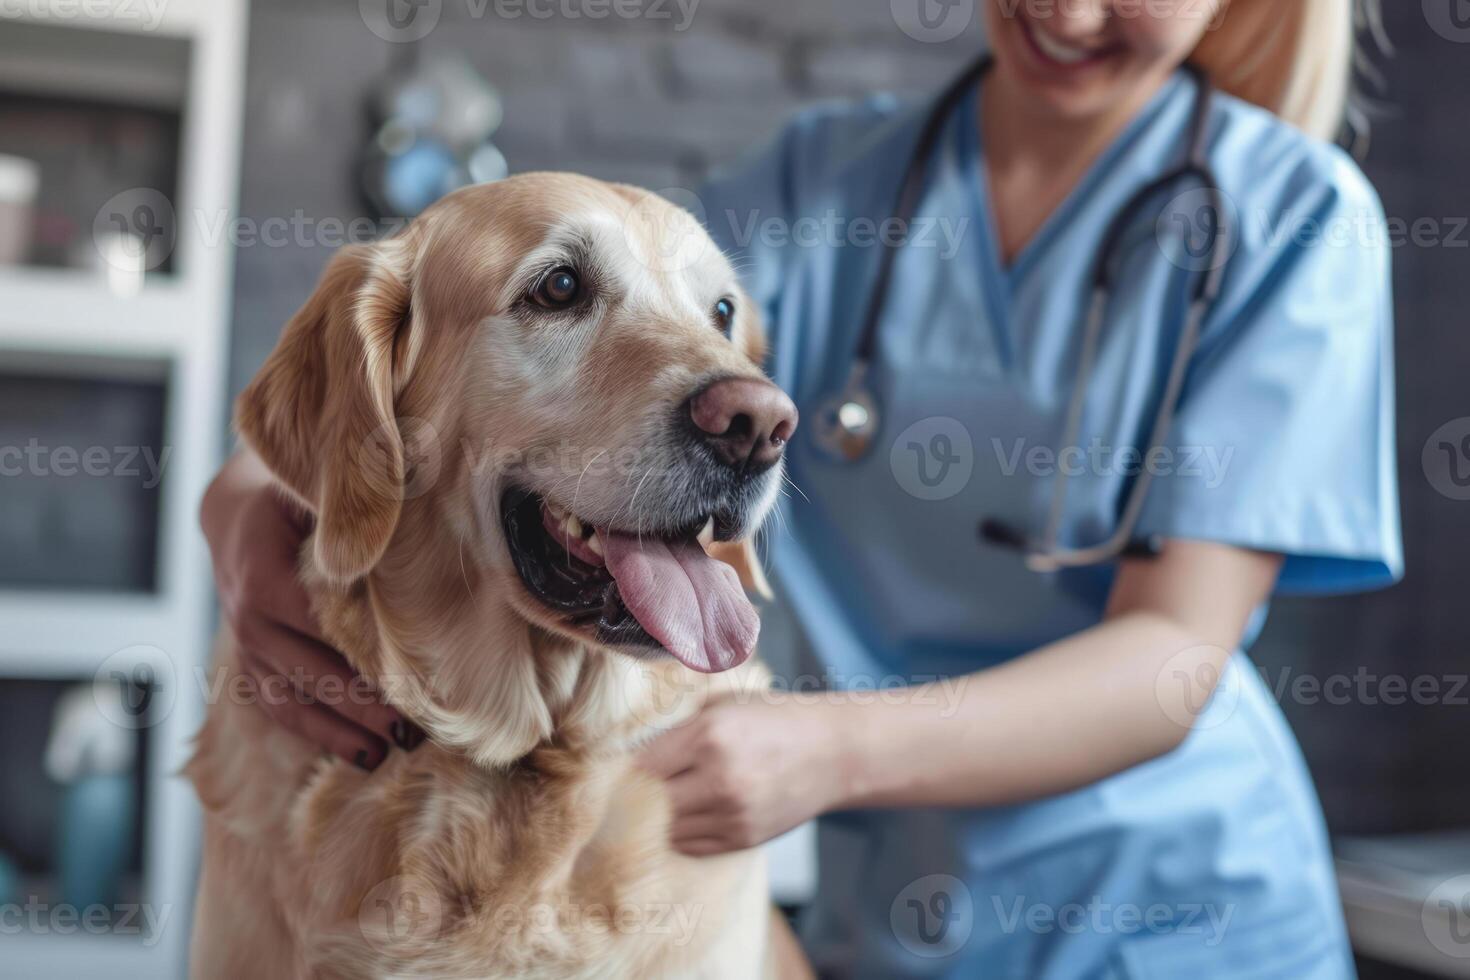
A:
{"x": 1063, "y": 55}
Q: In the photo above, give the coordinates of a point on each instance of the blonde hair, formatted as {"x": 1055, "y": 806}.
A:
{"x": 1295, "y": 58}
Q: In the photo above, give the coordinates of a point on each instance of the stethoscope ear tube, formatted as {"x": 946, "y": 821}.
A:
{"x": 848, "y": 423}
{"x": 910, "y": 191}
{"x": 998, "y": 533}
{"x": 1051, "y": 557}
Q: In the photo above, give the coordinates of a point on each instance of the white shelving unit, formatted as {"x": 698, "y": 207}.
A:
{"x": 180, "y": 321}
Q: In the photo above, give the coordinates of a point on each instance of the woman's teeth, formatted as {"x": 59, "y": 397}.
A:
{"x": 1059, "y": 51}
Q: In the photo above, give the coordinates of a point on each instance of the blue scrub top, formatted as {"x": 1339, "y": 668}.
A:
{"x": 1283, "y": 441}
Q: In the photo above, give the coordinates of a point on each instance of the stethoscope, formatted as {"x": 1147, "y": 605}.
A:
{"x": 848, "y": 423}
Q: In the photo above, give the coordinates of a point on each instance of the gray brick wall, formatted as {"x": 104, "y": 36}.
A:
{"x": 655, "y": 100}
{"x": 1381, "y": 766}
{"x": 642, "y": 101}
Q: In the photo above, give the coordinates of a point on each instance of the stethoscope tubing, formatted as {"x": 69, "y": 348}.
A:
{"x": 858, "y": 398}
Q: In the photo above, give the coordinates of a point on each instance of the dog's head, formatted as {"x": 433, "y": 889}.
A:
{"x": 560, "y": 378}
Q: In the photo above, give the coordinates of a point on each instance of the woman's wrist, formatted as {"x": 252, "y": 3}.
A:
{"x": 850, "y": 756}
{"x": 885, "y": 750}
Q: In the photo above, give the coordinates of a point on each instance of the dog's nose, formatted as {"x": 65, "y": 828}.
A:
{"x": 746, "y": 422}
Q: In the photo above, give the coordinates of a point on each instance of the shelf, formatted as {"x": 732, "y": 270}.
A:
{"x": 174, "y": 17}
{"x": 60, "y": 310}
{"x": 79, "y": 955}
{"x": 51, "y": 634}
{"x": 170, "y": 325}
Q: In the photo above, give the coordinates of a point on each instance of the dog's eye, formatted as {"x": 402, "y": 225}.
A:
{"x": 725, "y": 314}
{"x": 558, "y": 288}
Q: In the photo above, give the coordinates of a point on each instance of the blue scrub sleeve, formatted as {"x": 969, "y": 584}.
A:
{"x": 753, "y": 209}
{"x": 1291, "y": 390}
{"x": 742, "y": 202}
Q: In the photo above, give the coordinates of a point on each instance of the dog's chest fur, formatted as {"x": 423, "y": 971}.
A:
{"x": 555, "y": 866}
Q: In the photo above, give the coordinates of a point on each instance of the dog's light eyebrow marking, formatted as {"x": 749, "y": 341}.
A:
{"x": 547, "y": 347}
{"x": 563, "y": 246}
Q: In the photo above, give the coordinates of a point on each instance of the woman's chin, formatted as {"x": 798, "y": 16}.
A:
{"x": 1065, "y": 102}
{"x": 1073, "y": 99}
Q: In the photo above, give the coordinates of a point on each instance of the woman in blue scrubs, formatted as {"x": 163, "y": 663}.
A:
{"x": 1054, "y": 792}
{"x": 1075, "y": 774}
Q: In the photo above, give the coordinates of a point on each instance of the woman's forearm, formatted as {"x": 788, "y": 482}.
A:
{"x": 1062, "y": 717}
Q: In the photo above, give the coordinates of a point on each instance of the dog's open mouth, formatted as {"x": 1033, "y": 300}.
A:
{"x": 629, "y": 589}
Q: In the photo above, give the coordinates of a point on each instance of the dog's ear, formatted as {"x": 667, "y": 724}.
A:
{"x": 743, "y": 557}
{"x": 320, "y": 412}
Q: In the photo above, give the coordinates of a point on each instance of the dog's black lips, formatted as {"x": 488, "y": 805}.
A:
{"x": 585, "y": 595}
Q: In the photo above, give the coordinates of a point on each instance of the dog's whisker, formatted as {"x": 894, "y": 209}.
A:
{"x": 580, "y": 476}
{"x": 634, "y": 501}
{"x": 463, "y": 573}
{"x": 792, "y": 484}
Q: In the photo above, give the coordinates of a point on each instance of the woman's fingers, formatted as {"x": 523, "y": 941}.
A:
{"x": 310, "y": 673}
{"x": 274, "y": 590}
{"x": 701, "y": 818}
{"x": 669, "y": 754}
{"x": 313, "y": 722}
{"x": 255, "y": 537}
{"x": 690, "y": 793}
{"x": 704, "y": 846}
{"x": 320, "y": 674}
{"x": 692, "y": 826}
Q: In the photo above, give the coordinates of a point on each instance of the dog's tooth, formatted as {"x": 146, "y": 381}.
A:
{"x": 572, "y": 526}
{"x": 707, "y": 533}
{"x": 594, "y": 543}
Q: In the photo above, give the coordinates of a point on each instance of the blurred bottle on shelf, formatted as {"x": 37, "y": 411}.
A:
{"x": 94, "y": 759}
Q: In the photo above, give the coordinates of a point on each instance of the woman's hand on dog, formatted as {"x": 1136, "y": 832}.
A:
{"x": 739, "y": 774}
{"x": 307, "y": 687}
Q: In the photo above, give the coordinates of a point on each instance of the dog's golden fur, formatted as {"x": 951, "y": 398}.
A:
{"x": 519, "y": 841}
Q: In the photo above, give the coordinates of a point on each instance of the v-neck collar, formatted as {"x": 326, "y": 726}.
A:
{"x": 971, "y": 153}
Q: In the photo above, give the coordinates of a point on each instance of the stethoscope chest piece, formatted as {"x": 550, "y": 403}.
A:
{"x": 847, "y": 424}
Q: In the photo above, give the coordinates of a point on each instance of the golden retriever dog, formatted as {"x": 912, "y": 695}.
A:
{"x": 534, "y": 436}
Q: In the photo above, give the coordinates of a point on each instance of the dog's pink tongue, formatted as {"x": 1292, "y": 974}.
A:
{"x": 691, "y": 603}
